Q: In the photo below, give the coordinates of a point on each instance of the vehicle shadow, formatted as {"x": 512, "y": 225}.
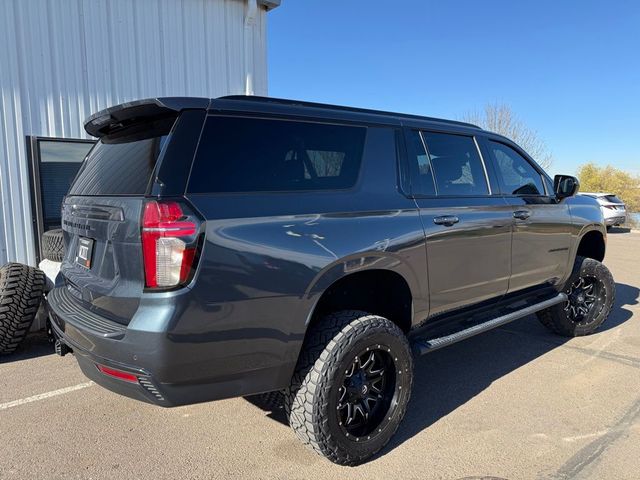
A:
{"x": 626, "y": 295}
{"x": 447, "y": 379}
{"x": 462, "y": 371}
{"x": 34, "y": 345}
{"x": 616, "y": 230}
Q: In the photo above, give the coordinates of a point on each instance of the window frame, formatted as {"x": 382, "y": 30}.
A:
{"x": 544, "y": 178}
{"x": 403, "y": 168}
{"x": 413, "y": 170}
{"x": 34, "y": 157}
{"x": 285, "y": 118}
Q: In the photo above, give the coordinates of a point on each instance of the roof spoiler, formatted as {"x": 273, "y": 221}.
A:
{"x": 120, "y": 117}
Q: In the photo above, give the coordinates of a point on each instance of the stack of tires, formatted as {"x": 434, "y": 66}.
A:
{"x": 22, "y": 289}
{"x": 53, "y": 245}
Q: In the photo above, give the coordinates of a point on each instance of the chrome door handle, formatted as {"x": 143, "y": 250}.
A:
{"x": 521, "y": 214}
{"x": 446, "y": 220}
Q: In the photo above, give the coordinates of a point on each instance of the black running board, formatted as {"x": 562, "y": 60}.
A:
{"x": 422, "y": 346}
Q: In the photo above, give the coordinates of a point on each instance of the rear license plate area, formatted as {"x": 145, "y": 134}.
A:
{"x": 85, "y": 252}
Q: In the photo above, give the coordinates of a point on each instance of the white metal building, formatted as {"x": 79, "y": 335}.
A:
{"x": 62, "y": 60}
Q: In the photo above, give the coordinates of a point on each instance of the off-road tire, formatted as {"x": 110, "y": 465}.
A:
{"x": 312, "y": 399}
{"x": 21, "y": 289}
{"x": 53, "y": 245}
{"x": 557, "y": 319}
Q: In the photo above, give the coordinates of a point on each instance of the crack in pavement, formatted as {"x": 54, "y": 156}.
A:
{"x": 614, "y": 357}
{"x": 592, "y": 452}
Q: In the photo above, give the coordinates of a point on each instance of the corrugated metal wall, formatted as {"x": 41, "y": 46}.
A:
{"x": 61, "y": 60}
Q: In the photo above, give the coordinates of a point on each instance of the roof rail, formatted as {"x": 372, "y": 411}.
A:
{"x": 284, "y": 101}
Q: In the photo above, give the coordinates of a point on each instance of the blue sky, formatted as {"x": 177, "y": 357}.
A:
{"x": 569, "y": 70}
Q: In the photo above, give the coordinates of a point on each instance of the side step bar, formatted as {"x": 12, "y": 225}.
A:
{"x": 422, "y": 346}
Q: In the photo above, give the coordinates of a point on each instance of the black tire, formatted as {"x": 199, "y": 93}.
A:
{"x": 53, "y": 245}
{"x": 609, "y": 227}
{"x": 21, "y": 289}
{"x": 335, "y": 354}
{"x": 576, "y": 317}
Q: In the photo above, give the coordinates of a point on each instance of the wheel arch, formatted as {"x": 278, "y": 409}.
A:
{"x": 591, "y": 244}
{"x": 380, "y": 283}
{"x": 332, "y": 287}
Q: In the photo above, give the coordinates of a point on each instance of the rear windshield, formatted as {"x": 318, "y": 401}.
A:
{"x": 122, "y": 168}
{"x": 612, "y": 199}
{"x": 260, "y": 155}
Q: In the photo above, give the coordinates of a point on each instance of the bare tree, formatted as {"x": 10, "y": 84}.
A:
{"x": 499, "y": 118}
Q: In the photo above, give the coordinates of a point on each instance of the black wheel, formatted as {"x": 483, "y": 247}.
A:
{"x": 351, "y": 387}
{"x": 609, "y": 227}
{"x": 591, "y": 293}
{"x": 21, "y": 290}
{"x": 53, "y": 245}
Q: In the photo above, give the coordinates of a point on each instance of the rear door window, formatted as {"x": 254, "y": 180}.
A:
{"x": 239, "y": 154}
{"x": 517, "y": 176}
{"x": 456, "y": 164}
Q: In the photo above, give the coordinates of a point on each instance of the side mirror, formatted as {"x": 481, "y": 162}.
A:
{"x": 565, "y": 186}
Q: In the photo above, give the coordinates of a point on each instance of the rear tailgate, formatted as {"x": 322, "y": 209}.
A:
{"x": 613, "y": 203}
{"x": 103, "y": 265}
{"x": 144, "y": 150}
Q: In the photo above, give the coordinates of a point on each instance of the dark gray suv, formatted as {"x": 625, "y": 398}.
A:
{"x": 244, "y": 245}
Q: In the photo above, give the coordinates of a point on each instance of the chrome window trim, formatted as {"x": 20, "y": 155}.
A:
{"x": 484, "y": 166}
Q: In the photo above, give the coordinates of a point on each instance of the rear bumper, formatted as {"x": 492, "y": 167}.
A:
{"x": 616, "y": 220}
{"x": 168, "y": 372}
{"x": 144, "y": 389}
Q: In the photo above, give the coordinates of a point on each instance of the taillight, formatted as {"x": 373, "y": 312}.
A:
{"x": 168, "y": 244}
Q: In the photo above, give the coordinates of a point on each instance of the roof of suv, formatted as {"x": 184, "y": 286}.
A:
{"x": 251, "y": 102}
{"x": 117, "y": 117}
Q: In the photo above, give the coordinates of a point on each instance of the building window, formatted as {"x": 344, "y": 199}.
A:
{"x": 54, "y": 164}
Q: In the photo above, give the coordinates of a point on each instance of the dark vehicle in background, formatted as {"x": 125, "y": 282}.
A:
{"x": 243, "y": 245}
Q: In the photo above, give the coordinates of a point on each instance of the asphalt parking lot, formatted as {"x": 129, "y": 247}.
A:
{"x": 514, "y": 403}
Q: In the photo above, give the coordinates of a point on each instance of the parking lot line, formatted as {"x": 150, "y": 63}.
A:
{"x": 44, "y": 396}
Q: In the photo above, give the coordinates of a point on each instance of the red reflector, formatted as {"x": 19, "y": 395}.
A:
{"x": 187, "y": 262}
{"x": 119, "y": 374}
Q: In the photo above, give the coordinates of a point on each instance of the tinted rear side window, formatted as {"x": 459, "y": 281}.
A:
{"x": 118, "y": 168}
{"x": 257, "y": 155}
{"x": 456, "y": 163}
